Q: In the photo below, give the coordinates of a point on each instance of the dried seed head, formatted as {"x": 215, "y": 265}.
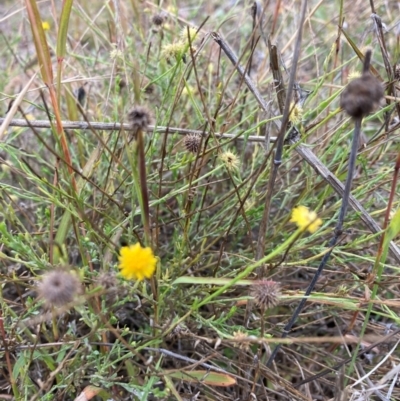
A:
{"x": 296, "y": 113}
{"x": 188, "y": 34}
{"x": 59, "y": 287}
{"x": 192, "y": 142}
{"x": 139, "y": 118}
{"x": 241, "y": 340}
{"x": 158, "y": 19}
{"x": 173, "y": 50}
{"x": 108, "y": 281}
{"x": 362, "y": 95}
{"x": 266, "y": 293}
{"x": 230, "y": 160}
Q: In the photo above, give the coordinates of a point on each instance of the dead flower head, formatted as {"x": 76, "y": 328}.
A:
{"x": 139, "y": 118}
{"x": 59, "y": 287}
{"x": 362, "y": 95}
{"x": 192, "y": 142}
{"x": 266, "y": 293}
{"x": 241, "y": 340}
{"x": 158, "y": 19}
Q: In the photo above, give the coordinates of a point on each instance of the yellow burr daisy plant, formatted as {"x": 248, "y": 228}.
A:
{"x": 305, "y": 219}
{"x": 137, "y": 263}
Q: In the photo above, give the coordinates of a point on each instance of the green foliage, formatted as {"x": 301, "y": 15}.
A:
{"x": 71, "y": 198}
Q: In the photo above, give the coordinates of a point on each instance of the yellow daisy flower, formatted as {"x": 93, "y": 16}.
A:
{"x": 137, "y": 263}
{"x": 305, "y": 219}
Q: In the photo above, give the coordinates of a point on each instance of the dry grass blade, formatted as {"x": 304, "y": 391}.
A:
{"x": 5, "y": 122}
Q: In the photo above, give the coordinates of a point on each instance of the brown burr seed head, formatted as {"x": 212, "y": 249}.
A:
{"x": 139, "y": 117}
{"x": 158, "y": 19}
{"x": 362, "y": 96}
{"x": 266, "y": 293}
{"x": 192, "y": 142}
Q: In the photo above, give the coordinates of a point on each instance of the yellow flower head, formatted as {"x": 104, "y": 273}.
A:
{"x": 305, "y": 219}
{"x": 296, "y": 113}
{"x": 137, "y": 263}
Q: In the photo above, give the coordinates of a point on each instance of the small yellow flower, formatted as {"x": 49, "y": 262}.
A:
{"x": 137, "y": 263}
{"x": 296, "y": 113}
{"x": 230, "y": 160}
{"x": 45, "y": 26}
{"x": 305, "y": 219}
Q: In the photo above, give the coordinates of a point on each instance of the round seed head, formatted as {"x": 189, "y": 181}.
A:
{"x": 266, "y": 293}
{"x": 362, "y": 95}
{"x": 158, "y": 19}
{"x": 139, "y": 118}
{"x": 59, "y": 287}
{"x": 192, "y": 142}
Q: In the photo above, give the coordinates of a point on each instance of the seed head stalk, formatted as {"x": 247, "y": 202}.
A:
{"x": 358, "y": 99}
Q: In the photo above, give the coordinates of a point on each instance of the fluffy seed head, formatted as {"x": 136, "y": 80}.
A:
{"x": 266, "y": 293}
{"x": 241, "y": 340}
{"x": 59, "y": 287}
{"x": 158, "y": 19}
{"x": 230, "y": 160}
{"x": 362, "y": 95}
{"x": 173, "y": 50}
{"x": 296, "y": 113}
{"x": 188, "y": 33}
{"x": 192, "y": 142}
{"x": 139, "y": 118}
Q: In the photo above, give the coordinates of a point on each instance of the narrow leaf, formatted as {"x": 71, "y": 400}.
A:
{"x": 209, "y": 281}
{"x": 204, "y": 376}
{"x": 39, "y": 38}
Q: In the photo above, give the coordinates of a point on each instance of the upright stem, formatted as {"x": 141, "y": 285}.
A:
{"x": 333, "y": 241}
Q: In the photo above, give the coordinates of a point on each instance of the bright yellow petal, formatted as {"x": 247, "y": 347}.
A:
{"x": 137, "y": 263}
